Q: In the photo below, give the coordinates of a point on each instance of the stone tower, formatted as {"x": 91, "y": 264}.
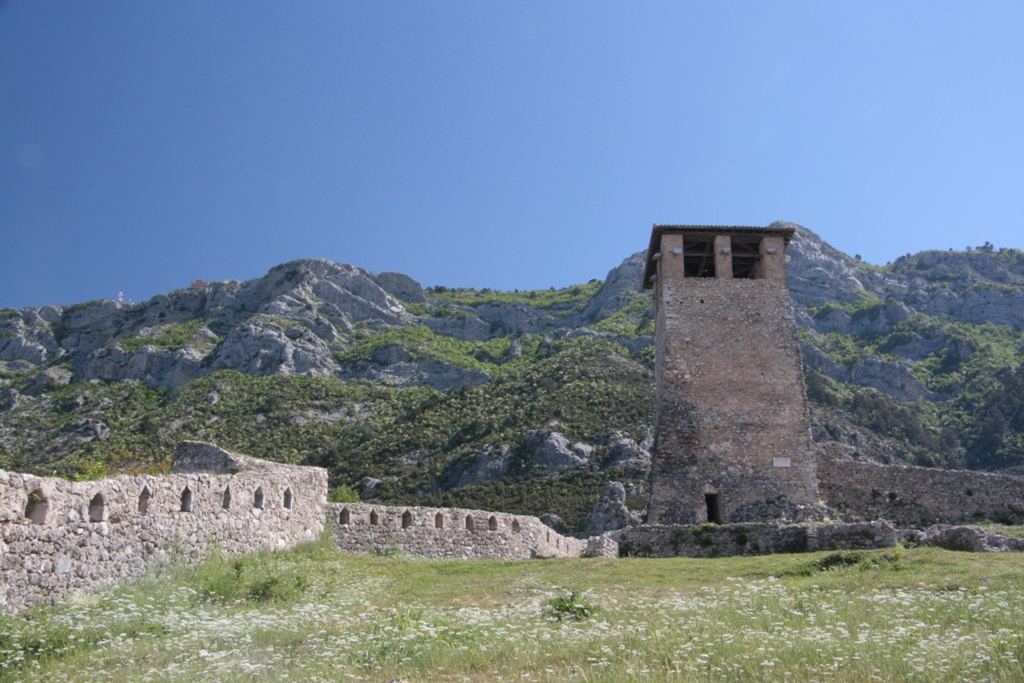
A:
{"x": 732, "y": 424}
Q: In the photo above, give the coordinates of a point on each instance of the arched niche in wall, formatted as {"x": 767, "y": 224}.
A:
{"x": 186, "y": 500}
{"x": 406, "y": 519}
{"x": 286, "y": 499}
{"x": 374, "y": 519}
{"x": 97, "y": 508}
{"x": 515, "y": 526}
{"x": 492, "y": 523}
{"x": 144, "y": 497}
{"x": 37, "y": 506}
{"x": 469, "y": 522}
{"x": 345, "y": 518}
{"x": 438, "y": 521}
{"x": 225, "y": 499}
{"x": 258, "y": 498}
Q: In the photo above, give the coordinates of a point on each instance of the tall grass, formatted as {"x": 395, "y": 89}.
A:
{"x": 923, "y": 615}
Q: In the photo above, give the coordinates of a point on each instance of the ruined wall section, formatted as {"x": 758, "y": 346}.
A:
{"x": 732, "y": 412}
{"x": 97, "y": 533}
{"x": 452, "y": 533}
{"x": 918, "y": 496}
{"x": 714, "y": 540}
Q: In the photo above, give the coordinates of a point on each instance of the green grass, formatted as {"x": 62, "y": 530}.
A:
{"x": 930, "y": 615}
{"x": 567, "y": 297}
{"x": 632, "y": 320}
{"x": 423, "y": 344}
{"x": 174, "y": 337}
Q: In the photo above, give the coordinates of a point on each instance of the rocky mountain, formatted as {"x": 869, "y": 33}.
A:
{"x": 531, "y": 401}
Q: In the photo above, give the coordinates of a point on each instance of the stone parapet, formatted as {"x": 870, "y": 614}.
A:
{"x": 446, "y": 533}
{"x": 57, "y": 536}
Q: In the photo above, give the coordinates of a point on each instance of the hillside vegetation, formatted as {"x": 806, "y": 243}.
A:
{"x": 527, "y": 401}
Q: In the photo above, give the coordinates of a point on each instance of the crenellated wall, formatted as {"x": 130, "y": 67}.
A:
{"x": 60, "y": 536}
{"x": 449, "y": 533}
{"x": 918, "y": 496}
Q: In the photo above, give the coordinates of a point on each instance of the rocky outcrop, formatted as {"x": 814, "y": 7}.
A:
{"x": 819, "y": 272}
{"x": 553, "y": 452}
{"x": 291, "y": 320}
{"x": 891, "y": 378}
{"x": 621, "y": 287}
{"x": 972, "y": 539}
{"x": 489, "y": 464}
{"x": 48, "y": 379}
{"x": 515, "y": 319}
{"x": 632, "y": 456}
{"x": 27, "y": 335}
{"x": 633, "y": 345}
{"x": 470, "y": 328}
{"x": 390, "y": 354}
{"x": 430, "y": 373}
{"x": 402, "y": 287}
{"x": 610, "y": 512}
{"x": 876, "y": 321}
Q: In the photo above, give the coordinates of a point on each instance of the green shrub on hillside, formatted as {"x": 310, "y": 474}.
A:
{"x": 174, "y": 337}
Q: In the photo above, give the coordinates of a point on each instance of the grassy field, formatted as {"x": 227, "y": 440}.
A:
{"x": 314, "y": 614}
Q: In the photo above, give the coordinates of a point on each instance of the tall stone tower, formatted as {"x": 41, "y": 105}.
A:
{"x": 732, "y": 425}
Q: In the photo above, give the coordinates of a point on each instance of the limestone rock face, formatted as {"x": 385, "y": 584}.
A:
{"x": 489, "y": 464}
{"x": 470, "y": 328}
{"x": 818, "y": 272}
{"x": 553, "y": 451}
{"x": 515, "y": 319}
{"x": 47, "y": 379}
{"x": 891, "y": 378}
{"x": 281, "y": 323}
{"x": 261, "y": 349}
{"x": 150, "y": 365}
{"x": 391, "y": 354}
{"x": 27, "y": 335}
{"x": 611, "y": 512}
{"x": 431, "y": 372}
{"x": 402, "y": 287}
{"x": 620, "y": 288}
{"x": 633, "y": 456}
{"x": 293, "y": 319}
{"x": 9, "y": 399}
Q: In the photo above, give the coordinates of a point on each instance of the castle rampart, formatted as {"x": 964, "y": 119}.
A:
{"x": 60, "y": 536}
{"x": 722, "y": 540}
{"x": 918, "y": 496}
{"x": 451, "y": 533}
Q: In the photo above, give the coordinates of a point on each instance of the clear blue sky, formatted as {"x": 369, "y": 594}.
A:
{"x": 489, "y": 144}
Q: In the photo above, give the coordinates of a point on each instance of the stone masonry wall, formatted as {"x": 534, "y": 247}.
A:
{"x": 445, "y": 533}
{"x": 97, "y": 533}
{"x": 918, "y": 496}
{"x": 713, "y": 540}
{"x": 732, "y": 416}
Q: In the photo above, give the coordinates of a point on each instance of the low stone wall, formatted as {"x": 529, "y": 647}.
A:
{"x": 918, "y": 496}
{"x": 446, "y": 533}
{"x": 712, "y": 540}
{"x": 60, "y": 536}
